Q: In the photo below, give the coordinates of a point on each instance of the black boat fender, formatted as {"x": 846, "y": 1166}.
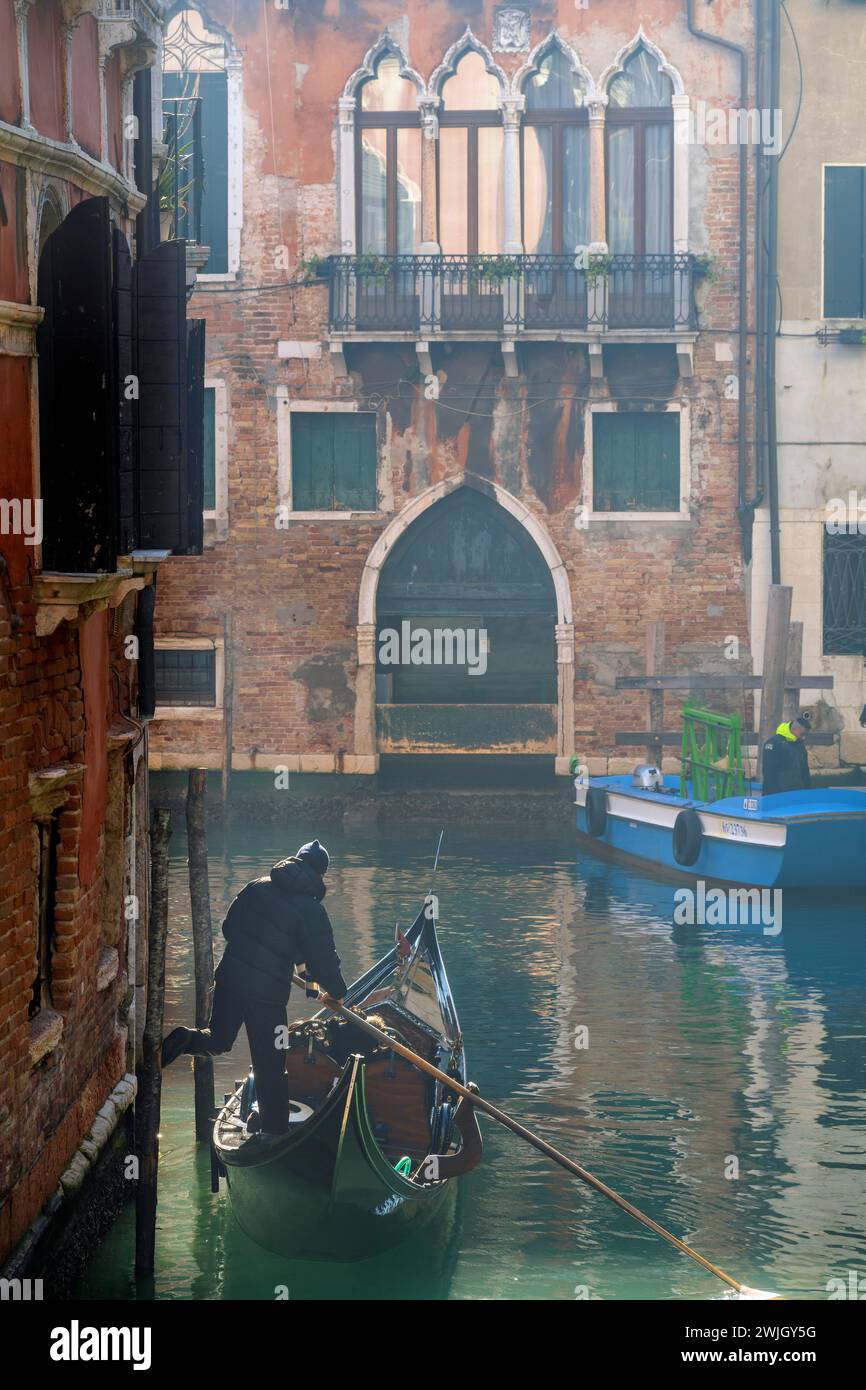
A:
{"x": 596, "y": 811}
{"x": 688, "y": 836}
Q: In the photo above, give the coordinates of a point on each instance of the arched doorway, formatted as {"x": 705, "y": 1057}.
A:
{"x": 465, "y": 639}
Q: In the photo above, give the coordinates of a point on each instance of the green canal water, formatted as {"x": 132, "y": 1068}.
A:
{"x": 709, "y": 1050}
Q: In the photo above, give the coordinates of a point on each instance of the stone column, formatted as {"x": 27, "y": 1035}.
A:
{"x": 597, "y": 192}
{"x": 366, "y": 757}
{"x": 21, "y": 9}
{"x": 564, "y": 696}
{"x": 429, "y": 282}
{"x": 512, "y": 109}
{"x": 66, "y": 32}
{"x": 346, "y": 107}
{"x": 597, "y": 288}
{"x": 235, "y": 105}
{"x": 429, "y": 107}
{"x": 680, "y": 106}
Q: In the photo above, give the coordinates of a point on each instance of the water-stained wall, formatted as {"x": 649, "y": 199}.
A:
{"x": 294, "y": 593}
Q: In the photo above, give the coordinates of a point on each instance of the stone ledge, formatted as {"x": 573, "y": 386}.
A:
{"x": 97, "y": 1137}
{"x": 74, "y": 597}
{"x": 46, "y": 1030}
{"x": 107, "y": 967}
{"x": 49, "y": 787}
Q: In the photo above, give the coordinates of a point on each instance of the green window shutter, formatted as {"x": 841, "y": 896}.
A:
{"x": 312, "y": 462}
{"x": 209, "y": 449}
{"x": 657, "y": 462}
{"x": 844, "y": 242}
{"x": 355, "y": 462}
{"x": 612, "y": 462}
{"x": 636, "y": 462}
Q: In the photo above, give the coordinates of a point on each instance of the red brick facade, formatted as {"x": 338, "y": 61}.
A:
{"x": 299, "y": 640}
{"x": 70, "y": 745}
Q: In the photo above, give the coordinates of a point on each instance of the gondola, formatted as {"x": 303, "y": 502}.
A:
{"x": 373, "y": 1144}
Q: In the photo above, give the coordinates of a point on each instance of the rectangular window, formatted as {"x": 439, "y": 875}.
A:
{"x": 844, "y": 594}
{"x": 333, "y": 461}
{"x": 209, "y": 449}
{"x": 201, "y": 143}
{"x": 389, "y": 174}
{"x": 471, "y": 183}
{"x": 555, "y": 188}
{"x": 845, "y": 242}
{"x": 46, "y": 838}
{"x": 185, "y": 676}
{"x": 636, "y": 461}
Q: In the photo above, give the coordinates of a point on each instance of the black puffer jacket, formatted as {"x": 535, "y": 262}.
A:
{"x": 786, "y": 765}
{"x": 274, "y": 924}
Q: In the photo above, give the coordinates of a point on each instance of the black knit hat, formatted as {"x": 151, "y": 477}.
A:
{"x": 315, "y": 856}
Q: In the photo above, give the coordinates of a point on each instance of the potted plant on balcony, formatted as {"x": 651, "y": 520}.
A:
{"x": 371, "y": 267}
{"x": 598, "y": 266}
{"x": 494, "y": 270}
{"x": 316, "y": 267}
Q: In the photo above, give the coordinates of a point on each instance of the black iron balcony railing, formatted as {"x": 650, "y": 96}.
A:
{"x": 509, "y": 294}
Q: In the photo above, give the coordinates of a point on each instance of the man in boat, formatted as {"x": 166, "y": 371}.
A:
{"x": 273, "y": 925}
{"x": 786, "y": 762}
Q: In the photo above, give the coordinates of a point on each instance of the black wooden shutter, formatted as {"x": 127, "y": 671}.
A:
{"x": 844, "y": 242}
{"x": 163, "y": 484}
{"x": 77, "y": 394}
{"x": 127, "y": 394}
{"x": 195, "y": 343}
{"x": 147, "y": 221}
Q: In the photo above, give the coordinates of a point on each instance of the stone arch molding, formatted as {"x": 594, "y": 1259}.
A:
{"x": 553, "y": 42}
{"x": 467, "y": 43}
{"x": 429, "y": 90}
{"x": 385, "y": 44}
{"x": 401, "y": 523}
{"x": 366, "y": 752}
{"x": 641, "y": 40}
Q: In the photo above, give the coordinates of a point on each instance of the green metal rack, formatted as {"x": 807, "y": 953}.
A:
{"x": 712, "y": 759}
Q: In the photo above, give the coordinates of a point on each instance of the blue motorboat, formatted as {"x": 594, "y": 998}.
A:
{"x": 802, "y": 839}
{"x": 713, "y": 822}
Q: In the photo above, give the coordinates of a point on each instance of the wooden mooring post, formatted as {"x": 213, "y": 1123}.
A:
{"x": 150, "y": 1077}
{"x": 228, "y": 711}
{"x": 655, "y": 665}
{"x": 202, "y": 940}
{"x": 793, "y": 669}
{"x": 775, "y": 661}
{"x": 780, "y": 684}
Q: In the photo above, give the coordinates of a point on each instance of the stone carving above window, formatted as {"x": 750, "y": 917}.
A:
{"x": 511, "y": 30}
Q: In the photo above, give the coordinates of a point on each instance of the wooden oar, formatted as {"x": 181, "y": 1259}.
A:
{"x": 537, "y": 1142}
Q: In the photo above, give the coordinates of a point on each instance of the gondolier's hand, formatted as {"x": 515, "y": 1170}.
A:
{"x": 328, "y": 1000}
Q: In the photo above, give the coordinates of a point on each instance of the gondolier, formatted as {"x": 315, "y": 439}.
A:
{"x": 786, "y": 762}
{"x": 275, "y": 924}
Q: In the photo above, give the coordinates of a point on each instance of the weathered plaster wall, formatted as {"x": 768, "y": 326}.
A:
{"x": 821, "y": 395}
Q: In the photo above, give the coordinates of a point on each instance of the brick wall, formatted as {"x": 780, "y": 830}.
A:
{"x": 293, "y": 594}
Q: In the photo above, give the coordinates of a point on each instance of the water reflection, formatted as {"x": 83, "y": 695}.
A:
{"x": 666, "y": 1059}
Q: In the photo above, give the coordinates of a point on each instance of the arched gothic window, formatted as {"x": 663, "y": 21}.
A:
{"x": 194, "y": 187}
{"x": 388, "y": 163}
{"x": 639, "y": 129}
{"x": 471, "y": 160}
{"x": 555, "y": 158}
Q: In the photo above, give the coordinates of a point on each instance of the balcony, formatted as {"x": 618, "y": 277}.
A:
{"x": 435, "y": 296}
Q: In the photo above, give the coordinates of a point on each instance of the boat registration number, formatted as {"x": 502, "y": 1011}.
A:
{"x": 732, "y": 827}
